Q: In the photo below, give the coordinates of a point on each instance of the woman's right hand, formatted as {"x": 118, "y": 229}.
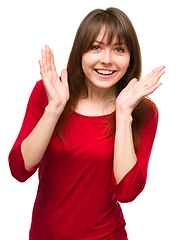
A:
{"x": 57, "y": 89}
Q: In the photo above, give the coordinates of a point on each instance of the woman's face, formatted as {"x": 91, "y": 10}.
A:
{"x": 104, "y": 65}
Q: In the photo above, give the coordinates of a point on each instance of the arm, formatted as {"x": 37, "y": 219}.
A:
{"x": 134, "y": 181}
{"x": 43, "y": 111}
{"x": 35, "y": 108}
{"x": 124, "y": 154}
{"x": 34, "y": 146}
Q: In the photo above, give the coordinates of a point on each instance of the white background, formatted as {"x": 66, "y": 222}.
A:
{"x": 25, "y": 27}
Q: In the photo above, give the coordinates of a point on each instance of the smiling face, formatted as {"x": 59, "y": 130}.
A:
{"x": 105, "y": 64}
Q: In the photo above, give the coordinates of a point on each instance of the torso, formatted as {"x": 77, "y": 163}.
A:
{"x": 88, "y": 108}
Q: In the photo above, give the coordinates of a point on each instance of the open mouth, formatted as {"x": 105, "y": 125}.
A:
{"x": 104, "y": 72}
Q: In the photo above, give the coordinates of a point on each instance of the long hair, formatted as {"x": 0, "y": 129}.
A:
{"x": 117, "y": 25}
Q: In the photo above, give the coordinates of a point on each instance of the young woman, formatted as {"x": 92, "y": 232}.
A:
{"x": 90, "y": 132}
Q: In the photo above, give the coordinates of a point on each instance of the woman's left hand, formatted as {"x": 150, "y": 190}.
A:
{"x": 132, "y": 94}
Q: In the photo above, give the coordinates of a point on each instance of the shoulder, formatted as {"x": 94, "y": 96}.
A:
{"x": 151, "y": 111}
{"x": 39, "y": 86}
{"x": 39, "y": 89}
{"x": 145, "y": 111}
{"x": 151, "y": 106}
{"x": 39, "y": 96}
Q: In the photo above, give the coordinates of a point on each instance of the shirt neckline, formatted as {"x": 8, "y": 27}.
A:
{"x": 95, "y": 116}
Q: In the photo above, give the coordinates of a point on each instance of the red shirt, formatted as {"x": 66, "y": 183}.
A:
{"x": 77, "y": 196}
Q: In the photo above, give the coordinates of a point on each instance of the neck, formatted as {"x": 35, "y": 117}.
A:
{"x": 98, "y": 101}
{"x": 98, "y": 95}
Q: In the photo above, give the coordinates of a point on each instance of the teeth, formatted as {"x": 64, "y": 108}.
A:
{"x": 104, "y": 72}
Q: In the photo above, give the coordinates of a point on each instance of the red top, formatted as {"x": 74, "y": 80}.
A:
{"x": 77, "y": 196}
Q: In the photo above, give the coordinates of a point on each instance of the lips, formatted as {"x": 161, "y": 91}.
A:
{"x": 104, "y": 72}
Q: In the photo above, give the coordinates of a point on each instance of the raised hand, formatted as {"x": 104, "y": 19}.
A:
{"x": 57, "y": 88}
{"x": 130, "y": 96}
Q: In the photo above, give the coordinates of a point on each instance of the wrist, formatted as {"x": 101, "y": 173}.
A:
{"x": 124, "y": 116}
{"x": 53, "y": 111}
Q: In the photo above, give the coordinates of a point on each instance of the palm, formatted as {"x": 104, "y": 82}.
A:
{"x": 57, "y": 90}
{"x": 130, "y": 96}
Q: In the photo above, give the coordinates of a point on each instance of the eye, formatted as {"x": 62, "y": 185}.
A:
{"x": 119, "y": 50}
{"x": 95, "y": 48}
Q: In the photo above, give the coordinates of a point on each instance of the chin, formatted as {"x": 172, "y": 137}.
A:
{"x": 103, "y": 83}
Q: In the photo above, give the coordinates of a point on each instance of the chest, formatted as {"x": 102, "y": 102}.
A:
{"x": 86, "y": 147}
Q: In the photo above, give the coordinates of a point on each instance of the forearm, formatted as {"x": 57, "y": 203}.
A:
{"x": 34, "y": 146}
{"x": 124, "y": 153}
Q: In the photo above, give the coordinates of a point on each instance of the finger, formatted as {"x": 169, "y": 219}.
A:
{"x": 48, "y": 55}
{"x": 154, "y": 77}
{"x": 64, "y": 77}
{"x": 157, "y": 69}
{"x": 41, "y": 66}
{"x": 157, "y": 77}
{"x": 159, "y": 72}
{"x": 154, "y": 72}
{"x": 42, "y": 72}
{"x": 153, "y": 88}
{"x": 53, "y": 66}
{"x": 132, "y": 82}
{"x": 44, "y": 60}
{"x": 162, "y": 67}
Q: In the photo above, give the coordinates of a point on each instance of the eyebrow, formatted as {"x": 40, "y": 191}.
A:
{"x": 115, "y": 44}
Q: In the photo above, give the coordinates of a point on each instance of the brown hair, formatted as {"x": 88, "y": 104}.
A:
{"x": 118, "y": 25}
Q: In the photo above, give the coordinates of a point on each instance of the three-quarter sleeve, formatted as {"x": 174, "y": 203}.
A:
{"x": 134, "y": 181}
{"x": 35, "y": 109}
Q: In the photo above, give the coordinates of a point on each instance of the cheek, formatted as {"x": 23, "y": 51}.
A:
{"x": 85, "y": 63}
{"x": 123, "y": 65}
{"x": 88, "y": 62}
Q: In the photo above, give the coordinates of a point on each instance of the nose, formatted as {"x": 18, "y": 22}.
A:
{"x": 106, "y": 57}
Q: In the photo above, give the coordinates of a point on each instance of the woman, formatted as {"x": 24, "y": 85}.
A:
{"x": 90, "y": 133}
